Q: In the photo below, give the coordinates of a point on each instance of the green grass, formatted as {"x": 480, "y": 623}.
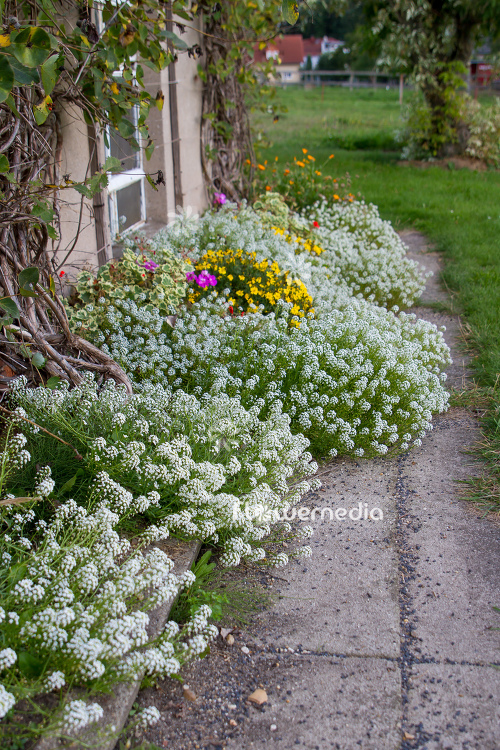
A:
{"x": 457, "y": 209}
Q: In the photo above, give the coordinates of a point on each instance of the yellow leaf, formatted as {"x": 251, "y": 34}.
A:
{"x": 160, "y": 100}
{"x": 4, "y": 40}
{"x": 85, "y": 40}
{"x": 114, "y": 88}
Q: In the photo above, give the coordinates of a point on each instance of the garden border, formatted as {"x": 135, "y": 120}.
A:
{"x": 117, "y": 705}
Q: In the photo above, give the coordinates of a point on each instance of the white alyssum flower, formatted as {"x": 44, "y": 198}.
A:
{"x": 7, "y": 701}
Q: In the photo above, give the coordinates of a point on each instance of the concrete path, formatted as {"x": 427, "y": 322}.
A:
{"x": 384, "y": 639}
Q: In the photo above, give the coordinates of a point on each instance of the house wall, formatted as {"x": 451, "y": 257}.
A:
{"x": 289, "y": 73}
{"x": 76, "y": 154}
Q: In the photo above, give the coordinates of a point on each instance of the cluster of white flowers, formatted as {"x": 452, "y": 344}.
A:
{"x": 365, "y": 254}
{"x": 7, "y": 701}
{"x": 85, "y": 598}
{"x": 188, "y": 477}
{"x": 357, "y": 381}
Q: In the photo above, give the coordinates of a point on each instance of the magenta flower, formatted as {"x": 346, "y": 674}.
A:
{"x": 150, "y": 265}
{"x": 206, "y": 279}
{"x": 220, "y": 199}
{"x": 191, "y": 276}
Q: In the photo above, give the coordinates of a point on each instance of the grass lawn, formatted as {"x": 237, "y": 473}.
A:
{"x": 457, "y": 209}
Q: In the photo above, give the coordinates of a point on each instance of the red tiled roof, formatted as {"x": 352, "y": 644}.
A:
{"x": 290, "y": 49}
{"x": 312, "y": 47}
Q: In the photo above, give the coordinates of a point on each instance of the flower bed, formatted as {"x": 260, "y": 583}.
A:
{"x": 257, "y": 339}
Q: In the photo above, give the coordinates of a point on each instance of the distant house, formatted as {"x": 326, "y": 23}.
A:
{"x": 288, "y": 52}
{"x": 315, "y": 47}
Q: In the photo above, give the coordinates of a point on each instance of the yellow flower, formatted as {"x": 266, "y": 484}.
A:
{"x": 300, "y": 164}
{"x": 304, "y": 150}
{"x": 316, "y": 171}
{"x": 230, "y": 276}
{"x": 291, "y": 182}
{"x": 240, "y": 293}
{"x": 241, "y": 278}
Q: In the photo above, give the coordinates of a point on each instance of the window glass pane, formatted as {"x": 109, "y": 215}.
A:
{"x": 121, "y": 149}
{"x": 129, "y": 205}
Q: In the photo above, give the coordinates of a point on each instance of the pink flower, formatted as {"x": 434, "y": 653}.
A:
{"x": 220, "y": 199}
{"x": 206, "y": 279}
{"x": 151, "y": 266}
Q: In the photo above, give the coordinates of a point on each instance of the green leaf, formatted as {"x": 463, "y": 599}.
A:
{"x": 176, "y": 41}
{"x": 6, "y": 78}
{"x": 126, "y": 128}
{"x": 53, "y": 382}
{"x": 290, "y": 10}
{"x": 38, "y": 360}
{"x": 43, "y": 211}
{"x": 50, "y": 73}
{"x": 149, "y": 150}
{"x": 52, "y": 232}
{"x": 71, "y": 482}
{"x": 10, "y": 307}
{"x": 12, "y": 105}
{"x": 112, "y": 164}
{"x": 31, "y": 46}
{"x": 150, "y": 180}
{"x": 24, "y": 76}
{"x": 4, "y": 163}
{"x": 28, "y": 276}
{"x": 29, "y": 665}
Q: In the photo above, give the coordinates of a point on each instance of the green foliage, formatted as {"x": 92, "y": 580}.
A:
{"x": 273, "y": 211}
{"x": 200, "y": 592}
{"x": 484, "y": 131}
{"x": 430, "y": 40}
{"x": 154, "y": 282}
{"x": 56, "y": 57}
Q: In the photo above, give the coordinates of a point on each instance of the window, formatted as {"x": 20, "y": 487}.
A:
{"x": 127, "y": 207}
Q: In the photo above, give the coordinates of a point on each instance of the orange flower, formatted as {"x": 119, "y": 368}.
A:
{"x": 336, "y": 197}
{"x": 304, "y": 150}
{"x": 247, "y": 161}
{"x": 332, "y": 156}
{"x": 311, "y": 157}
{"x": 317, "y": 172}
{"x": 275, "y": 158}
{"x": 300, "y": 164}
{"x": 287, "y": 171}
{"x": 261, "y": 166}
{"x": 291, "y": 182}
{"x": 268, "y": 187}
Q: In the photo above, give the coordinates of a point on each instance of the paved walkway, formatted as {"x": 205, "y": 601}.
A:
{"x": 384, "y": 639}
